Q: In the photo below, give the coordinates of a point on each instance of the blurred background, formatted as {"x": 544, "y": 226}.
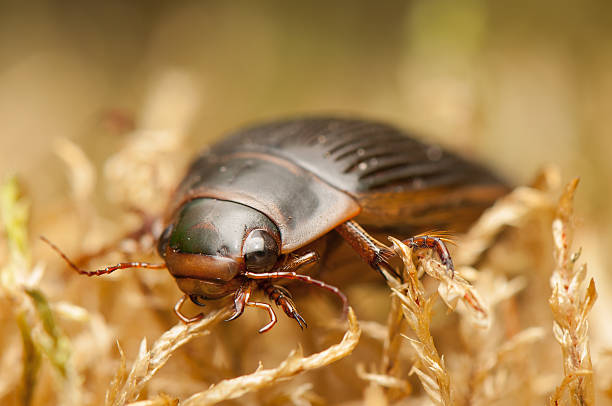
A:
{"x": 518, "y": 85}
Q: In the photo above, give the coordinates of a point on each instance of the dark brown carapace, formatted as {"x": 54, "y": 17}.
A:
{"x": 273, "y": 199}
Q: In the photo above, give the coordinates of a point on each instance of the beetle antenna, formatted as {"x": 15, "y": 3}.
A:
{"x": 103, "y": 271}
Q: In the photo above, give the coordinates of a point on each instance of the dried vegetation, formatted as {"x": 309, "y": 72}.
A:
{"x": 491, "y": 339}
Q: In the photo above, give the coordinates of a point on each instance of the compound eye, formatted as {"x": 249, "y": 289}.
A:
{"x": 260, "y": 251}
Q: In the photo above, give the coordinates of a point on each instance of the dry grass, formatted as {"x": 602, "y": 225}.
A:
{"x": 571, "y": 301}
{"x": 488, "y": 341}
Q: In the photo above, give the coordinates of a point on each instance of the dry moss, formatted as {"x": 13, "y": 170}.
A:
{"x": 488, "y": 341}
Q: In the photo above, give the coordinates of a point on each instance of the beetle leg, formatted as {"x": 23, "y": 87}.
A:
{"x": 376, "y": 254}
{"x": 434, "y": 243}
{"x": 266, "y": 306}
{"x": 303, "y": 278}
{"x": 184, "y": 319}
{"x": 369, "y": 249}
{"x": 291, "y": 264}
{"x": 103, "y": 271}
{"x": 240, "y": 299}
{"x": 283, "y": 299}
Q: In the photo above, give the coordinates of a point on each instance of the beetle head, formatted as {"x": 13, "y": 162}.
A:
{"x": 212, "y": 242}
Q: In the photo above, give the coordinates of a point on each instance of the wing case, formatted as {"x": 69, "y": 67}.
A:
{"x": 316, "y": 173}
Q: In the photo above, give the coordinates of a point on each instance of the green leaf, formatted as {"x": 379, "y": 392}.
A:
{"x": 54, "y": 343}
{"x": 31, "y": 360}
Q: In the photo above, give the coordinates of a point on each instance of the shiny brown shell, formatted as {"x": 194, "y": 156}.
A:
{"x": 310, "y": 175}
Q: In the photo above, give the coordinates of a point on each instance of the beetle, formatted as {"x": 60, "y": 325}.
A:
{"x": 269, "y": 199}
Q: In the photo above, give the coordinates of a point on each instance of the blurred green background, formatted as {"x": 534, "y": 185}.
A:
{"x": 517, "y": 84}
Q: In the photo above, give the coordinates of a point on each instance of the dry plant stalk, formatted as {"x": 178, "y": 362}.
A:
{"x": 571, "y": 302}
{"x": 382, "y": 380}
{"x": 390, "y": 365}
{"x": 293, "y": 365}
{"x": 127, "y": 387}
{"x": 494, "y": 374}
{"x": 416, "y": 306}
{"x": 499, "y": 358}
{"x": 160, "y": 400}
{"x": 417, "y": 311}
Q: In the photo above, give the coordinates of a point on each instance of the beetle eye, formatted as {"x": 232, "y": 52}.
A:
{"x": 260, "y": 251}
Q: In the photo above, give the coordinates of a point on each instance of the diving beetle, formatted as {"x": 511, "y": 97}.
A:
{"x": 270, "y": 199}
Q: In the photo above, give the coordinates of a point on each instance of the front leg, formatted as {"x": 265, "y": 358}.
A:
{"x": 242, "y": 300}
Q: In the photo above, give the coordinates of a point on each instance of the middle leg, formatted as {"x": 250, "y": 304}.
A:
{"x": 283, "y": 299}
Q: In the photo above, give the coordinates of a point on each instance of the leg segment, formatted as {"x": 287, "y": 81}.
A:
{"x": 433, "y": 243}
{"x": 267, "y": 307}
{"x": 185, "y": 319}
{"x": 241, "y": 300}
{"x": 283, "y": 299}
{"x": 303, "y": 278}
{"x": 377, "y": 254}
{"x": 369, "y": 249}
{"x": 294, "y": 263}
{"x": 279, "y": 294}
